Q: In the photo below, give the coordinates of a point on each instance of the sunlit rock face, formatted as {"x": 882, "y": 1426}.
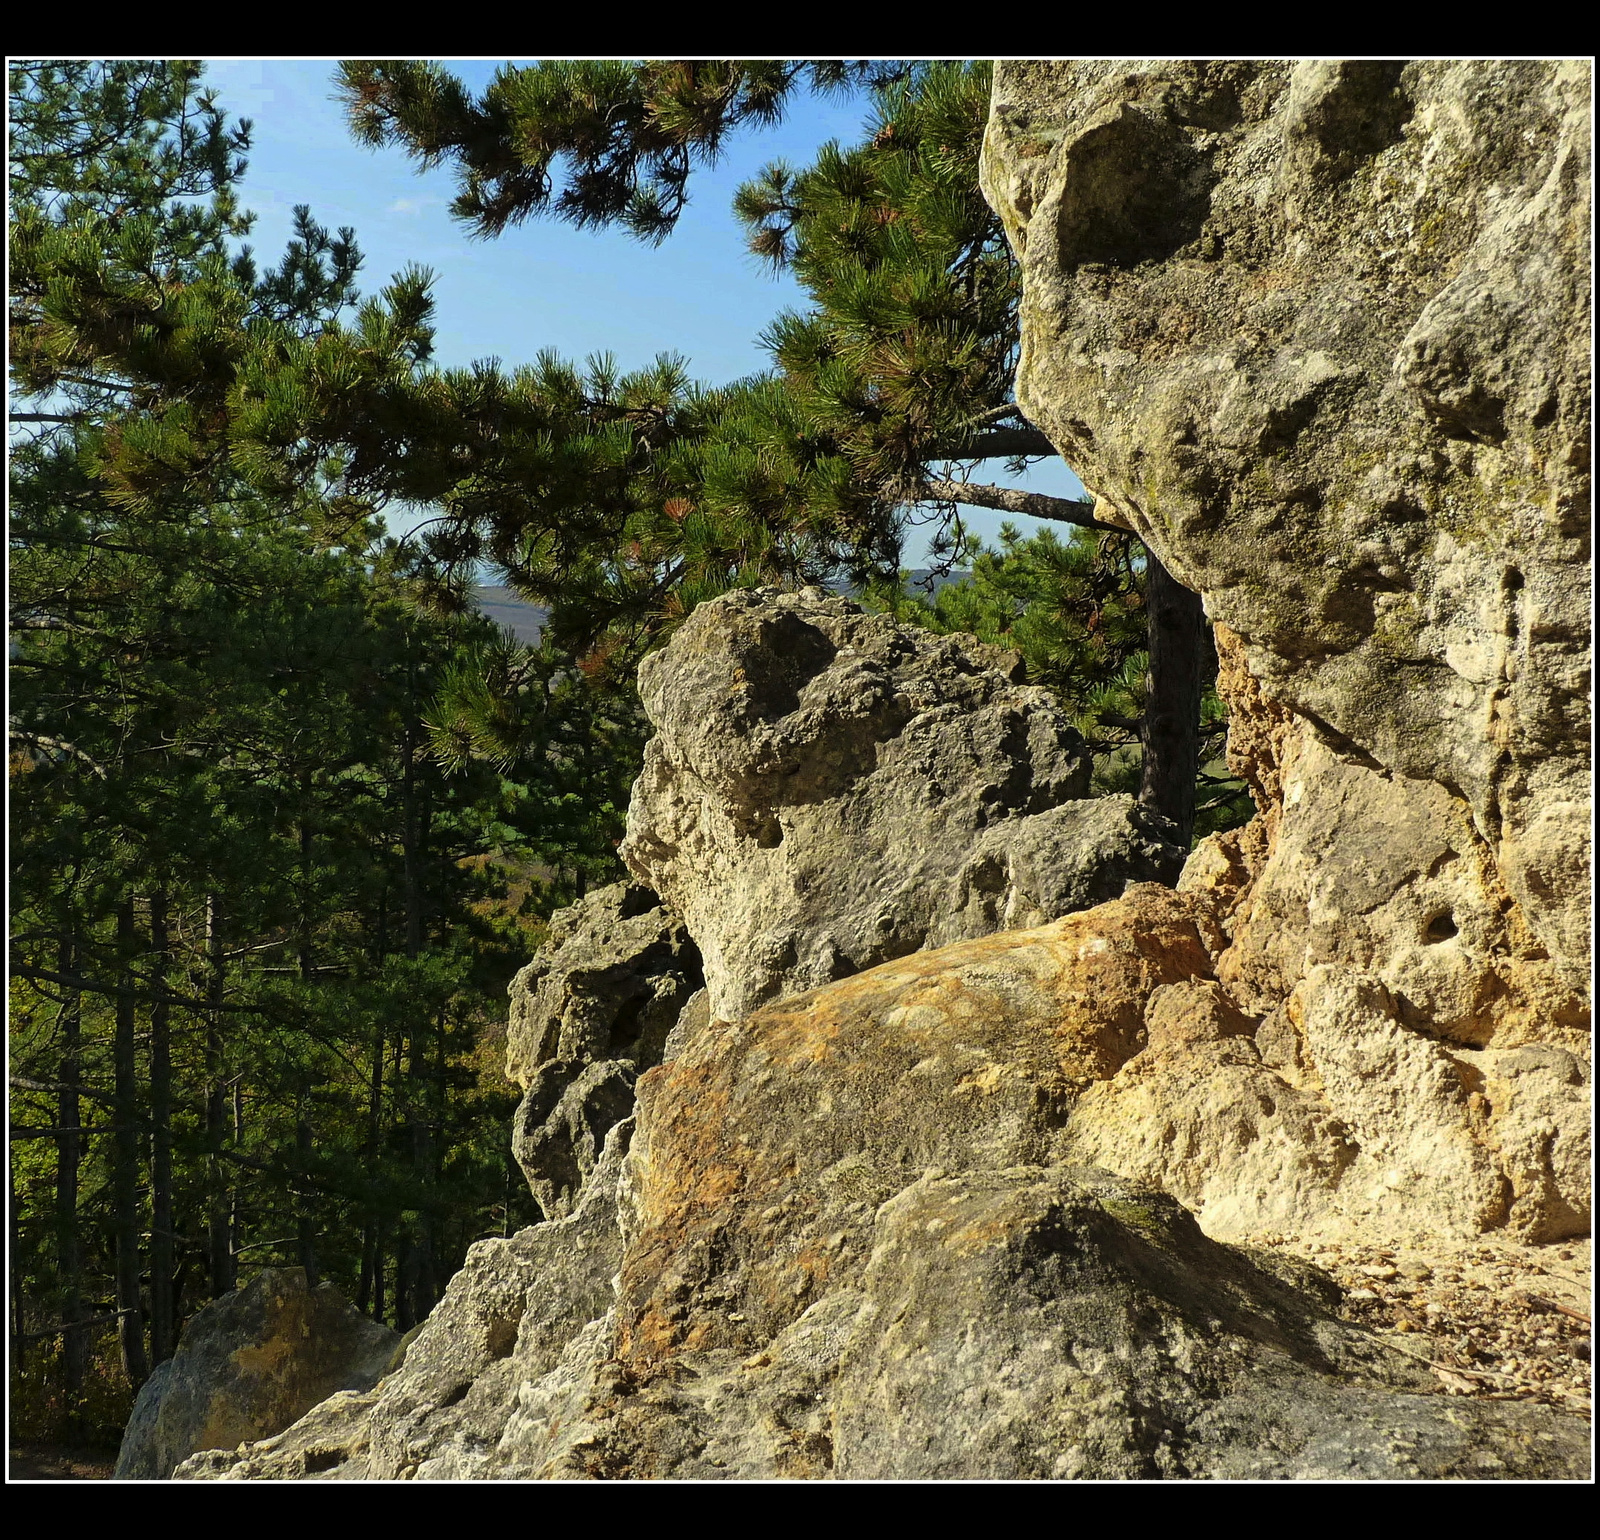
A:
{"x": 1320, "y": 333}
{"x": 940, "y": 1175}
{"x": 829, "y": 789}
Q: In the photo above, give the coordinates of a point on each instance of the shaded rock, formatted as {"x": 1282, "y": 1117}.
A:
{"x": 247, "y": 1366}
{"x": 1319, "y": 332}
{"x": 587, "y": 1014}
{"x": 506, "y": 1321}
{"x": 827, "y": 790}
{"x": 328, "y": 1444}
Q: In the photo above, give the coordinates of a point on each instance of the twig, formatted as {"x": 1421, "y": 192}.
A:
{"x": 1539, "y": 1302}
{"x": 1471, "y": 1374}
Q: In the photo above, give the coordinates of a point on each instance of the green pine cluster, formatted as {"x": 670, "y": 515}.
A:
{"x": 262, "y": 922}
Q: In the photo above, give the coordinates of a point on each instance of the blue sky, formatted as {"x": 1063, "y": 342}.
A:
{"x": 543, "y": 284}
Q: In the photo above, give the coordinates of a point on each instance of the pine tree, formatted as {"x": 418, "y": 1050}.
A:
{"x": 887, "y": 393}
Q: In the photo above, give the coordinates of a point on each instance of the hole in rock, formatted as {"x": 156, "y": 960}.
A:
{"x": 502, "y": 1341}
{"x": 324, "y": 1459}
{"x": 1442, "y": 927}
{"x": 456, "y": 1396}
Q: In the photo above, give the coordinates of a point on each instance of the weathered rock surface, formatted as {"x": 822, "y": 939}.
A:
{"x": 848, "y": 1239}
{"x": 1385, "y": 1048}
{"x": 591, "y": 1011}
{"x": 1309, "y": 329}
{"x": 1319, "y": 332}
{"x": 504, "y": 1324}
{"x": 247, "y": 1366}
{"x": 827, "y": 790}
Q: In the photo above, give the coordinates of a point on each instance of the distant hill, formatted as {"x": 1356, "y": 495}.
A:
{"x": 507, "y": 608}
{"x": 526, "y": 621}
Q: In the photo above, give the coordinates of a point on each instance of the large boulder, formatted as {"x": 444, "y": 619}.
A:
{"x": 247, "y": 1366}
{"x": 1319, "y": 332}
{"x": 828, "y": 789}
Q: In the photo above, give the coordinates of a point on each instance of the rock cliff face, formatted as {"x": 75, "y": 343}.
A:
{"x": 1320, "y": 334}
{"x": 827, "y": 790}
{"x": 937, "y": 1175}
{"x": 1315, "y": 332}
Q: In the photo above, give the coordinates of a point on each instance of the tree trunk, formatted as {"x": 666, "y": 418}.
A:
{"x": 304, "y": 1232}
{"x": 219, "y": 1228}
{"x": 69, "y": 1158}
{"x": 419, "y": 1269}
{"x": 371, "y": 1239}
{"x": 125, "y": 1160}
{"x": 1171, "y": 729}
{"x": 163, "y": 1316}
{"x": 380, "y": 1277}
{"x": 236, "y": 1203}
{"x": 410, "y": 854}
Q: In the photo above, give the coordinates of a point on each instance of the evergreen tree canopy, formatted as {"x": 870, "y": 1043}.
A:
{"x": 618, "y": 139}
{"x": 885, "y": 395}
{"x": 261, "y": 925}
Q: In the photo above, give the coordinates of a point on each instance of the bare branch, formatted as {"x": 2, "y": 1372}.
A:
{"x": 1037, "y": 505}
{"x": 994, "y": 444}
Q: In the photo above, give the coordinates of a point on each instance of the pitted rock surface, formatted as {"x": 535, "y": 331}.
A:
{"x": 1319, "y": 332}
{"x": 591, "y": 1011}
{"x": 828, "y": 789}
{"x": 1309, "y": 329}
{"x": 1385, "y": 1051}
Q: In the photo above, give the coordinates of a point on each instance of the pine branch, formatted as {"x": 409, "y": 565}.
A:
{"x": 994, "y": 444}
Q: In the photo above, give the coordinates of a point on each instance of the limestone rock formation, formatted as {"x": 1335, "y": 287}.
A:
{"x": 591, "y": 1011}
{"x": 909, "y": 1191}
{"x": 828, "y": 789}
{"x": 1381, "y": 1046}
{"x": 1319, "y": 332}
{"x": 846, "y": 1238}
{"x": 247, "y": 1366}
{"x": 1309, "y": 329}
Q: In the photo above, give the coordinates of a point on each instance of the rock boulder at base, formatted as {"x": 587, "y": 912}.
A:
{"x": 844, "y": 1238}
{"x": 828, "y": 789}
{"x": 247, "y": 1366}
